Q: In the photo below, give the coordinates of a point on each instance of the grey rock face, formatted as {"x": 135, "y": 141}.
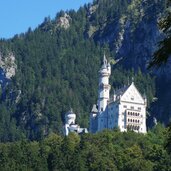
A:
{"x": 64, "y": 22}
{"x": 8, "y": 65}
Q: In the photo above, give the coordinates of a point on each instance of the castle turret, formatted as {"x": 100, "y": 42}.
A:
{"x": 71, "y": 126}
{"x": 103, "y": 93}
{"x": 104, "y": 87}
{"x": 70, "y": 117}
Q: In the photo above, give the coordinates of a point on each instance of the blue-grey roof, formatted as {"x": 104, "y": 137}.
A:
{"x": 121, "y": 91}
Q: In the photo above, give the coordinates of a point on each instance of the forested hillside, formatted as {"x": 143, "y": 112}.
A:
{"x": 57, "y": 64}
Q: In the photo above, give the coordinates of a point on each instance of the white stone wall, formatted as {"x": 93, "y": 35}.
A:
{"x": 104, "y": 79}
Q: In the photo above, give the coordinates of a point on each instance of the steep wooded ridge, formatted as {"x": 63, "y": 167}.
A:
{"x": 55, "y": 67}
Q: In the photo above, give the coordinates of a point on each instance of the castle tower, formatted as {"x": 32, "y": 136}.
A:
{"x": 103, "y": 91}
{"x": 71, "y": 126}
{"x": 104, "y": 87}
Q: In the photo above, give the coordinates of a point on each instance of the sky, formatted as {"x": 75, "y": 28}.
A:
{"x": 16, "y": 16}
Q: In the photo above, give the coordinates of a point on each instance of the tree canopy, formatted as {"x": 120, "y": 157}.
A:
{"x": 107, "y": 150}
{"x": 162, "y": 55}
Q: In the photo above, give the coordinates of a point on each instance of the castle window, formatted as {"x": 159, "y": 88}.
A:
{"x": 132, "y": 107}
{"x": 139, "y": 108}
{"x": 101, "y": 109}
{"x": 125, "y": 106}
{"x": 132, "y": 98}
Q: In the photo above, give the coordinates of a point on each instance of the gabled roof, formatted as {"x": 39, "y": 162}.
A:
{"x": 132, "y": 94}
{"x": 121, "y": 91}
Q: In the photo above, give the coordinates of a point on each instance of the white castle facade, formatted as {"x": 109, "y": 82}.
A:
{"x": 126, "y": 109}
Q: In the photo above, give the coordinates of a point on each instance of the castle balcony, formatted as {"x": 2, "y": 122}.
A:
{"x": 133, "y": 117}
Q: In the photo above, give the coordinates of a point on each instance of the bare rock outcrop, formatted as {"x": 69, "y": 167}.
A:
{"x": 8, "y": 65}
{"x": 64, "y": 22}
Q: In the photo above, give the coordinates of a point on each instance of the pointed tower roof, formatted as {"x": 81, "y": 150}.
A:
{"x": 132, "y": 91}
{"x": 94, "y": 109}
{"x": 104, "y": 59}
{"x": 104, "y": 65}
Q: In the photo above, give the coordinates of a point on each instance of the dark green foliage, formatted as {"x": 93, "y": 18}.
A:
{"x": 168, "y": 141}
{"x": 108, "y": 150}
{"x": 163, "y": 53}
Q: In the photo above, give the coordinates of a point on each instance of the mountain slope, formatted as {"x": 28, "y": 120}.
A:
{"x": 58, "y": 63}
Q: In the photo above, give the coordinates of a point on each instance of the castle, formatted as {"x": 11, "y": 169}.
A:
{"x": 126, "y": 109}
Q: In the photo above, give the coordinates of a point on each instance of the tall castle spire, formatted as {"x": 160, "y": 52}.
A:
{"x": 104, "y": 59}
{"x": 104, "y": 88}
